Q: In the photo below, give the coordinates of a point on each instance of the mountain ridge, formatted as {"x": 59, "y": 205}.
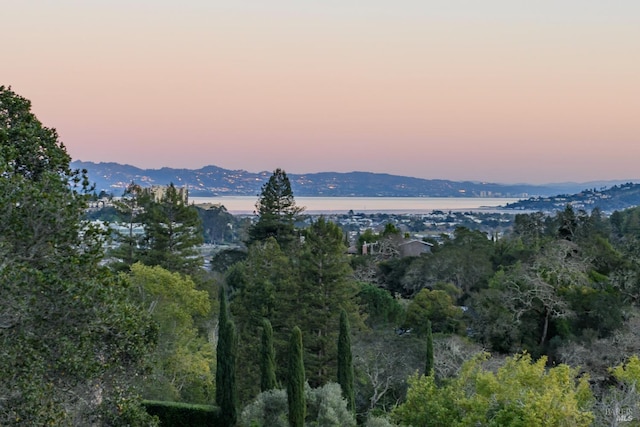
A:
{"x": 211, "y": 180}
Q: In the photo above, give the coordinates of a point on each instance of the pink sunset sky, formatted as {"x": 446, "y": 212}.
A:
{"x": 503, "y": 91}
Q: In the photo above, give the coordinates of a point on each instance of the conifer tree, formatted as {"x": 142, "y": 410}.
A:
{"x": 295, "y": 381}
{"x": 265, "y": 287}
{"x": 345, "y": 361}
{"x": 267, "y": 358}
{"x": 326, "y": 286}
{"x": 223, "y": 315}
{"x": 226, "y": 390}
{"x": 173, "y": 230}
{"x": 277, "y": 211}
{"x": 429, "y": 366}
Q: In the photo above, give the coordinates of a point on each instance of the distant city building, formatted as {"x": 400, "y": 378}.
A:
{"x": 158, "y": 192}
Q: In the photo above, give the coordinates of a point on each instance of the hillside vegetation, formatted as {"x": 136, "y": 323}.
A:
{"x": 533, "y": 326}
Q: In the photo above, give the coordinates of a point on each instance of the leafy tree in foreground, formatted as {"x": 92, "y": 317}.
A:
{"x": 72, "y": 338}
{"x": 29, "y": 149}
{"x": 295, "y": 381}
{"x": 267, "y": 358}
{"x": 521, "y": 393}
{"x": 183, "y": 360}
{"x": 345, "y": 361}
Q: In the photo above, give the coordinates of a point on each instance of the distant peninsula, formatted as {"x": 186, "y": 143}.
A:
{"x": 211, "y": 181}
{"x": 617, "y": 197}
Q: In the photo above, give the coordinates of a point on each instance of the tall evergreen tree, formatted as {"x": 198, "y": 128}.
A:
{"x": 345, "y": 361}
{"x": 267, "y": 358}
{"x": 228, "y": 402}
{"x": 223, "y": 316}
{"x": 326, "y": 286}
{"x": 264, "y": 286}
{"x": 429, "y": 366}
{"x": 295, "y": 381}
{"x": 173, "y": 229}
{"x": 129, "y": 209}
{"x": 277, "y": 211}
{"x": 226, "y": 389}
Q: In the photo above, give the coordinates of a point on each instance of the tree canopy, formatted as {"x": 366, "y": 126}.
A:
{"x": 71, "y": 335}
{"x": 277, "y": 211}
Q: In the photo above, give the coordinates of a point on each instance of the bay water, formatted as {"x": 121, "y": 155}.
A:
{"x": 245, "y": 205}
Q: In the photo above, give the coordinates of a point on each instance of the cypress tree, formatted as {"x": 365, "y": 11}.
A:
{"x": 226, "y": 389}
{"x": 267, "y": 358}
{"x": 345, "y": 361}
{"x": 295, "y": 381}
{"x": 223, "y": 315}
{"x": 428, "y": 370}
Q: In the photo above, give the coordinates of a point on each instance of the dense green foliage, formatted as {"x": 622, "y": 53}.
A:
{"x": 381, "y": 307}
{"x": 177, "y": 414}
{"x": 267, "y": 358}
{"x": 521, "y": 393}
{"x": 308, "y": 288}
{"x": 325, "y": 407}
{"x": 264, "y": 288}
{"x": 277, "y": 211}
{"x": 71, "y": 335}
{"x": 183, "y": 361}
{"x": 172, "y": 229}
{"x": 429, "y": 366}
{"x": 226, "y": 388}
{"x": 345, "y": 361}
{"x": 326, "y": 288}
{"x": 295, "y": 381}
{"x": 217, "y": 224}
{"x": 436, "y": 309}
{"x": 79, "y": 342}
{"x": 29, "y": 150}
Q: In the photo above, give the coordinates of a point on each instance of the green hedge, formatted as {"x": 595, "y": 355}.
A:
{"x": 176, "y": 414}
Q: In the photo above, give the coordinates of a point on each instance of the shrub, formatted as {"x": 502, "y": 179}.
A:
{"x": 178, "y": 414}
{"x": 325, "y": 408}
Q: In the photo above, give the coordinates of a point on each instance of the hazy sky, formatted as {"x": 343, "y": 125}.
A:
{"x": 503, "y": 91}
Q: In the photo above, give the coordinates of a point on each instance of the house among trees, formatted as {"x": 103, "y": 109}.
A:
{"x": 414, "y": 247}
{"x": 401, "y": 247}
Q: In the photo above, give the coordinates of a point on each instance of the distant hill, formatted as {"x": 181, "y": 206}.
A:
{"x": 215, "y": 181}
{"x": 617, "y": 197}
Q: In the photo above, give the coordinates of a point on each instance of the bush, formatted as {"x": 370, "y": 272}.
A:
{"x": 378, "y": 422}
{"x": 269, "y": 409}
{"x": 325, "y": 408}
{"x": 176, "y": 414}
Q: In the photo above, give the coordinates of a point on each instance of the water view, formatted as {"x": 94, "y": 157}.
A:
{"x": 246, "y": 204}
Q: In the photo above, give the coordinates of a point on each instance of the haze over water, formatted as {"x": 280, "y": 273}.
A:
{"x": 240, "y": 205}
